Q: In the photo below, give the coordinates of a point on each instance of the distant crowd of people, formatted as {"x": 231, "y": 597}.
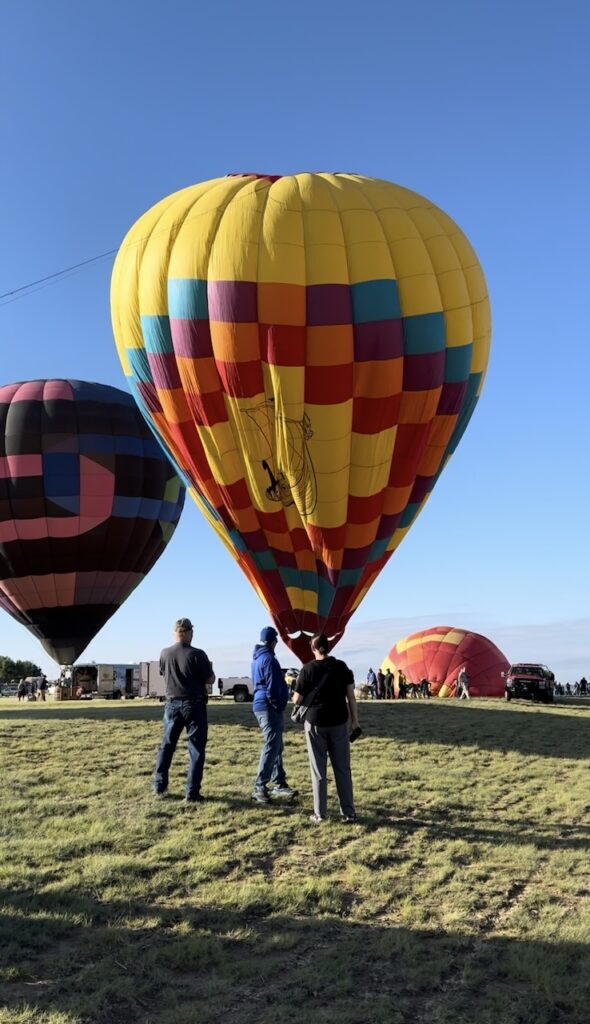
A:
{"x": 577, "y": 689}
{"x": 381, "y": 686}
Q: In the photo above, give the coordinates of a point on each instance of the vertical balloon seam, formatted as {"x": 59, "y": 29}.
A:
{"x": 235, "y": 415}
{"x": 300, "y": 616}
{"x": 344, "y": 614}
{"x": 290, "y": 530}
{"x": 358, "y": 595}
{"x": 333, "y": 204}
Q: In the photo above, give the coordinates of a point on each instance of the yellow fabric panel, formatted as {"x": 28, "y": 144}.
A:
{"x": 480, "y": 354}
{"x": 223, "y": 456}
{"x": 369, "y": 261}
{"x": 323, "y": 227}
{"x": 410, "y": 258}
{"x": 326, "y": 264}
{"x": 453, "y": 289}
{"x": 443, "y": 255}
{"x": 303, "y": 600}
{"x": 159, "y": 247}
{"x": 460, "y": 243}
{"x": 419, "y": 294}
{"x": 397, "y": 225}
{"x": 331, "y": 423}
{"x": 368, "y": 480}
{"x": 233, "y": 255}
{"x": 454, "y": 637}
{"x": 329, "y": 456}
{"x": 125, "y": 311}
{"x": 282, "y": 239}
{"x": 189, "y": 256}
{"x": 476, "y": 283}
{"x": 458, "y": 327}
{"x": 332, "y": 507}
{"x": 368, "y": 450}
{"x": 424, "y": 217}
{"x": 287, "y": 384}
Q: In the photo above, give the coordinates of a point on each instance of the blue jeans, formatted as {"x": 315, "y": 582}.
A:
{"x": 178, "y": 715}
{"x": 270, "y": 766}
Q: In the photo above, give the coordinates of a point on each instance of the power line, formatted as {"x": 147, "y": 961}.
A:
{"x": 58, "y": 273}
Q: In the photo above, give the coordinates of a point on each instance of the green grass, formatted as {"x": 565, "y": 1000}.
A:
{"x": 461, "y": 896}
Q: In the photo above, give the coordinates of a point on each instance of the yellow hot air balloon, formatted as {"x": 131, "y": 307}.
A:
{"x": 309, "y": 350}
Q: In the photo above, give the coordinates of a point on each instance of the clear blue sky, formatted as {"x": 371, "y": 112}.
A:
{"x": 108, "y": 107}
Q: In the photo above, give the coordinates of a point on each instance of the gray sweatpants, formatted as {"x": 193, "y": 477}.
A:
{"x": 332, "y": 741}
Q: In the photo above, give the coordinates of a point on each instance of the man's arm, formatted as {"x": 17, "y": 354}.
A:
{"x": 354, "y": 715}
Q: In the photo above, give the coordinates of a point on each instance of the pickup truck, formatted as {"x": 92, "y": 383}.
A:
{"x": 529, "y": 681}
{"x": 239, "y": 687}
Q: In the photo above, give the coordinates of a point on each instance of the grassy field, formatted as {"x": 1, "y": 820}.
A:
{"x": 462, "y": 895}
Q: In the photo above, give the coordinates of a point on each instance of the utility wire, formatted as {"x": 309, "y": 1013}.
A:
{"x": 58, "y": 273}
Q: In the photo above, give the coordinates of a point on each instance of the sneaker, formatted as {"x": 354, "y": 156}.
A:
{"x": 348, "y": 819}
{"x": 260, "y": 795}
{"x": 158, "y": 793}
{"x": 198, "y": 798}
{"x": 285, "y": 792}
{"x": 316, "y": 818}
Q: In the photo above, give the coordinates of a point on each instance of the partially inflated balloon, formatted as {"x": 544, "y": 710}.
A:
{"x": 309, "y": 349}
{"x": 437, "y": 654}
{"x": 88, "y": 502}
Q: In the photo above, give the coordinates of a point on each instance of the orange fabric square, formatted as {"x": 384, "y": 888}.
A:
{"x": 419, "y": 406}
{"x": 330, "y": 346}
{"x": 235, "y": 343}
{"x": 281, "y": 304}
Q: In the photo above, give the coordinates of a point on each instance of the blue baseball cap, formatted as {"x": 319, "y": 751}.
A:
{"x": 268, "y": 635}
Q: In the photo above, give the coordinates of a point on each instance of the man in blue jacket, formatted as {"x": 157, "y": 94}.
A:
{"x": 271, "y": 694}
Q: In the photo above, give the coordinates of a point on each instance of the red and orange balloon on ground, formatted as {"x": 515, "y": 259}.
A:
{"x": 437, "y": 654}
{"x": 309, "y": 350}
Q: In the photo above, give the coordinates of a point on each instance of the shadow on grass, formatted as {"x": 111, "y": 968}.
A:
{"x": 129, "y": 962}
{"x": 530, "y": 729}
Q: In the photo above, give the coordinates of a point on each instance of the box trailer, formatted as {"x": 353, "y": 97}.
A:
{"x": 151, "y": 683}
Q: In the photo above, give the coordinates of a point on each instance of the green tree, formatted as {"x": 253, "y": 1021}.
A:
{"x": 10, "y": 669}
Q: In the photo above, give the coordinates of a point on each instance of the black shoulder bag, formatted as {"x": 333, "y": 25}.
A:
{"x": 299, "y": 712}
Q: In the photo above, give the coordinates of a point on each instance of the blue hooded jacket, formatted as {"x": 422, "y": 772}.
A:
{"x": 270, "y": 689}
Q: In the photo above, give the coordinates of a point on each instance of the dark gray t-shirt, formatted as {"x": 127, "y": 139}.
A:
{"x": 186, "y": 670}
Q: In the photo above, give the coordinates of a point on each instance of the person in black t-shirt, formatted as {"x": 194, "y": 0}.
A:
{"x": 187, "y": 672}
{"x": 327, "y": 729}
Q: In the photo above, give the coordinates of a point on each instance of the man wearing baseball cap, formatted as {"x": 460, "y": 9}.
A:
{"x": 271, "y": 694}
{"x": 188, "y": 672}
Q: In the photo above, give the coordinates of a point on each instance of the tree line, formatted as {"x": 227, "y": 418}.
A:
{"x": 10, "y": 669}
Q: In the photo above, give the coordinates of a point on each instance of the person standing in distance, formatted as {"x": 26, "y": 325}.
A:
{"x": 463, "y": 684}
{"x": 327, "y": 731}
{"x": 187, "y": 672}
{"x": 271, "y": 694}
